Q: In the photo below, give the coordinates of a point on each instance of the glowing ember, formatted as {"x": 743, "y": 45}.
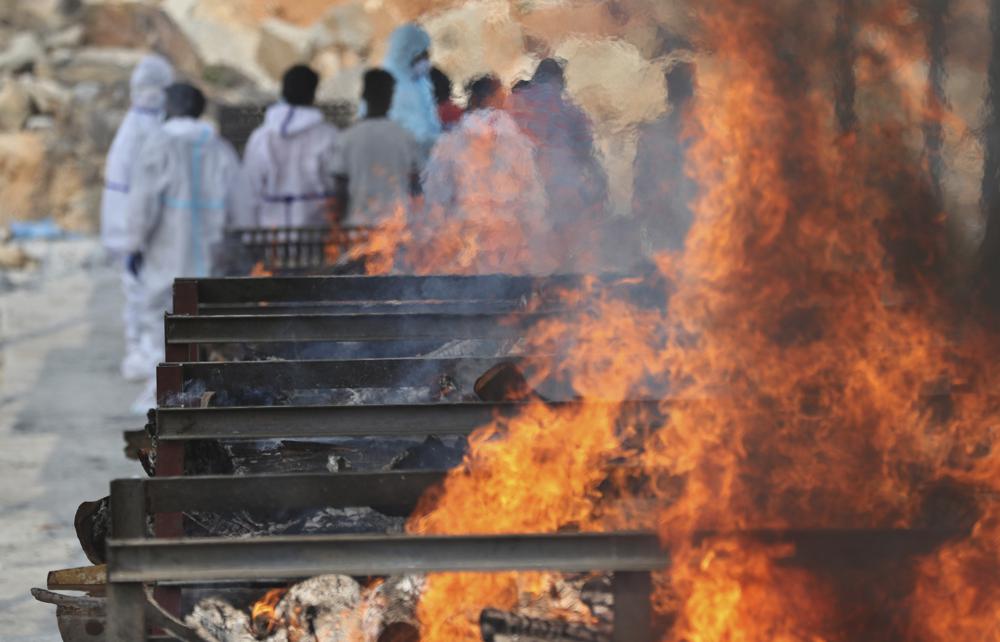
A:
{"x": 263, "y": 616}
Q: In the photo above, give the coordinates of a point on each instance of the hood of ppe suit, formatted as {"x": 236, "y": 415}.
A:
{"x": 291, "y": 120}
{"x": 150, "y": 77}
{"x": 405, "y": 44}
{"x": 413, "y": 103}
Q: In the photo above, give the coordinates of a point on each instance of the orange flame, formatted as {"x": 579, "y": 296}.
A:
{"x": 819, "y": 376}
{"x": 262, "y": 614}
{"x": 259, "y": 270}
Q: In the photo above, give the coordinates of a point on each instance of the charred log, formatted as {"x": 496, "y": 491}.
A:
{"x": 493, "y": 623}
{"x": 93, "y": 523}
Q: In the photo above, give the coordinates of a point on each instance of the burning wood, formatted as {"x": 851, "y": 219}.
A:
{"x": 328, "y": 608}
{"x": 495, "y": 623}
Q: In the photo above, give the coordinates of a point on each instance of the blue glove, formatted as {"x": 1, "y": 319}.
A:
{"x": 134, "y": 263}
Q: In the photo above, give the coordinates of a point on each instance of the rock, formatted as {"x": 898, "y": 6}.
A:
{"x": 98, "y": 65}
{"x": 39, "y": 123}
{"x": 47, "y": 96}
{"x": 282, "y": 45}
{"x": 37, "y": 15}
{"x": 15, "y": 106}
{"x": 24, "y": 51}
{"x": 136, "y": 25}
{"x": 223, "y": 32}
{"x": 71, "y": 36}
{"x": 347, "y": 26}
{"x": 13, "y": 257}
{"x": 478, "y": 38}
{"x": 22, "y": 163}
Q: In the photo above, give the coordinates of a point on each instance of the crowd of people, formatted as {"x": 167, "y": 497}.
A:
{"x": 524, "y": 157}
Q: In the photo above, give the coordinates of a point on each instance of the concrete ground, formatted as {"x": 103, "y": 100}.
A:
{"x": 63, "y": 408}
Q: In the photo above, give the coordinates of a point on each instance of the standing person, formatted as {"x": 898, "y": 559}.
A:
{"x": 662, "y": 191}
{"x": 574, "y": 179}
{"x": 413, "y": 104}
{"x": 177, "y": 208}
{"x": 483, "y": 176}
{"x": 151, "y": 76}
{"x": 448, "y": 112}
{"x": 283, "y": 182}
{"x": 377, "y": 164}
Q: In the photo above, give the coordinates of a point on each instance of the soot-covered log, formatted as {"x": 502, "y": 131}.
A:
{"x": 93, "y": 523}
{"x": 493, "y": 622}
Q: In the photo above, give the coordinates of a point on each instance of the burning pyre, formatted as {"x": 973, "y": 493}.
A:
{"x": 825, "y": 466}
{"x": 822, "y": 377}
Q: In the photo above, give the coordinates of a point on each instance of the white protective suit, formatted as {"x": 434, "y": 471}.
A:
{"x": 177, "y": 211}
{"x": 150, "y": 77}
{"x": 413, "y": 103}
{"x": 283, "y": 182}
{"x": 483, "y": 177}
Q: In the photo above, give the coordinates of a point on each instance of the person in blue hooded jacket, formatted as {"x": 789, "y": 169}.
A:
{"x": 413, "y": 104}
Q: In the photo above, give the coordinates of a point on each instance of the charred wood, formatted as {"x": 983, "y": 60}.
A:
{"x": 93, "y": 524}
{"x": 493, "y": 623}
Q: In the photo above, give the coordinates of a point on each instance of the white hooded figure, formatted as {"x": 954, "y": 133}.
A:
{"x": 284, "y": 182}
{"x": 181, "y": 186}
{"x": 483, "y": 176}
{"x": 413, "y": 104}
{"x": 150, "y": 77}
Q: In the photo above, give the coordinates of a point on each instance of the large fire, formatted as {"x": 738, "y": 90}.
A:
{"x": 821, "y": 376}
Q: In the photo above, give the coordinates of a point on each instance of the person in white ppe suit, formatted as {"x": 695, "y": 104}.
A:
{"x": 283, "y": 181}
{"x": 483, "y": 183}
{"x": 151, "y": 76}
{"x": 414, "y": 106}
{"x": 178, "y": 204}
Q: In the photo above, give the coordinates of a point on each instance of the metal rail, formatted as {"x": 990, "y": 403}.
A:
{"x": 365, "y": 288}
{"x": 198, "y": 560}
{"x": 326, "y": 374}
{"x": 184, "y": 329}
{"x": 399, "y": 490}
{"x": 134, "y": 562}
{"x": 280, "y": 422}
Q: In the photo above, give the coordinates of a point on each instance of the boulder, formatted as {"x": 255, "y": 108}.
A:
{"x": 71, "y": 36}
{"x": 13, "y": 257}
{"x": 22, "y": 163}
{"x": 37, "y": 15}
{"x": 23, "y": 52}
{"x": 477, "y": 38}
{"x": 282, "y": 45}
{"x": 15, "y": 105}
{"x": 47, "y": 96}
{"x": 96, "y": 65}
{"x": 347, "y": 26}
{"x": 135, "y": 25}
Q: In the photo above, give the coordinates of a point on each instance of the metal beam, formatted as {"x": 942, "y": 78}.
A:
{"x": 330, "y": 374}
{"x": 287, "y": 328}
{"x": 465, "y": 306}
{"x": 400, "y": 490}
{"x": 285, "y": 558}
{"x": 377, "y": 288}
{"x": 281, "y": 422}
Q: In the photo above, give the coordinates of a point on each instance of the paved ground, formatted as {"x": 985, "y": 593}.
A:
{"x": 62, "y": 410}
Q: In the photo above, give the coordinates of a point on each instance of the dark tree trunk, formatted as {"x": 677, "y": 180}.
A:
{"x": 990, "y": 200}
